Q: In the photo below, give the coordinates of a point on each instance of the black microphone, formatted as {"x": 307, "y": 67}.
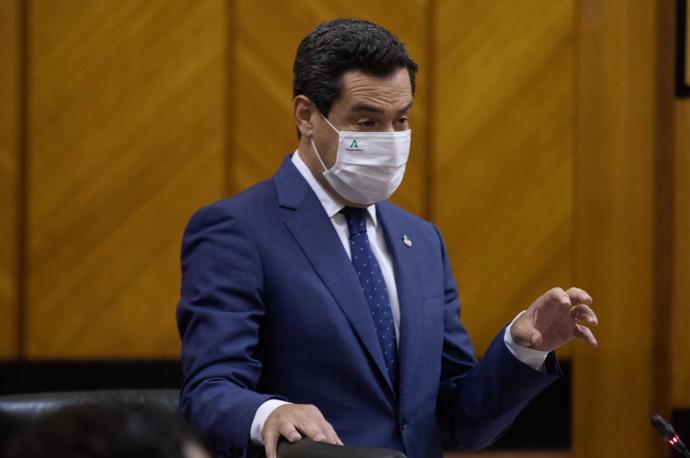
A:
{"x": 669, "y": 434}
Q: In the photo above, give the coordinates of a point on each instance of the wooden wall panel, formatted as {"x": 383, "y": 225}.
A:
{"x": 672, "y": 269}
{"x": 616, "y": 144}
{"x": 10, "y": 54}
{"x": 262, "y": 120}
{"x": 510, "y": 454}
{"x": 127, "y": 133}
{"x": 502, "y": 156}
{"x": 680, "y": 315}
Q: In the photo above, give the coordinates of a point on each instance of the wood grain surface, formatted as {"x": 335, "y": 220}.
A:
{"x": 672, "y": 268}
{"x": 680, "y": 314}
{"x": 510, "y": 454}
{"x": 502, "y": 172}
{"x": 127, "y": 136}
{"x": 616, "y": 146}
{"x": 10, "y": 55}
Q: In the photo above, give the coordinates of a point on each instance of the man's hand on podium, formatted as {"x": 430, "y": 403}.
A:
{"x": 292, "y": 421}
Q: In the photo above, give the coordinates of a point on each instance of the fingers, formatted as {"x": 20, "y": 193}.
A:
{"x": 272, "y": 435}
{"x": 331, "y": 434}
{"x": 581, "y": 311}
{"x": 558, "y": 296}
{"x": 312, "y": 431}
{"x": 271, "y": 444}
{"x": 581, "y": 301}
{"x": 293, "y": 421}
{"x": 320, "y": 432}
{"x": 585, "y": 333}
{"x": 318, "y": 428}
{"x": 585, "y": 313}
{"x": 289, "y": 431}
{"x": 579, "y": 296}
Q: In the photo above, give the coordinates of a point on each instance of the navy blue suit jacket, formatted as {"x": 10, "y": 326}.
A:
{"x": 271, "y": 307}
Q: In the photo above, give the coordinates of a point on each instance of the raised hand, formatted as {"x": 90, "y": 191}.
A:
{"x": 554, "y": 319}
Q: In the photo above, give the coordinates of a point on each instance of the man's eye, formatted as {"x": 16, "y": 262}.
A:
{"x": 403, "y": 120}
{"x": 367, "y": 124}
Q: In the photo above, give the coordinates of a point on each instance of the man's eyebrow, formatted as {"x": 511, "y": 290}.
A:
{"x": 406, "y": 108}
{"x": 374, "y": 109}
{"x": 366, "y": 107}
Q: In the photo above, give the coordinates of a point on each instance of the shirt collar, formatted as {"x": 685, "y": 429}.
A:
{"x": 329, "y": 203}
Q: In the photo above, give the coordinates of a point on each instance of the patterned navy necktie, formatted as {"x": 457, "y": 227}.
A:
{"x": 373, "y": 287}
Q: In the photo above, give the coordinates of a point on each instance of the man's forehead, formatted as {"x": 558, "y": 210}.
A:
{"x": 363, "y": 92}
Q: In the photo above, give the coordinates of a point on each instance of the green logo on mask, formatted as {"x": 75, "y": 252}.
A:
{"x": 354, "y": 144}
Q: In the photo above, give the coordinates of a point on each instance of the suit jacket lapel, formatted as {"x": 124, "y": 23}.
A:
{"x": 316, "y": 236}
{"x": 411, "y": 301}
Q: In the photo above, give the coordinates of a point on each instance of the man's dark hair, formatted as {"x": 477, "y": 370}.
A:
{"x": 111, "y": 430}
{"x": 338, "y": 46}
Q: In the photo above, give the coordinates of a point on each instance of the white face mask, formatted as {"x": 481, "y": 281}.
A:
{"x": 369, "y": 166}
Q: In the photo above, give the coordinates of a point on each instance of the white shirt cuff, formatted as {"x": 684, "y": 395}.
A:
{"x": 260, "y": 417}
{"x": 529, "y": 356}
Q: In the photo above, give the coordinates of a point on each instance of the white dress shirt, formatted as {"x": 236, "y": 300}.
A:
{"x": 377, "y": 241}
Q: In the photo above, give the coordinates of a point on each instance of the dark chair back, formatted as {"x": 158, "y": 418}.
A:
{"x": 20, "y": 410}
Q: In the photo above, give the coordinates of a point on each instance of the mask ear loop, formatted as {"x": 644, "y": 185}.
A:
{"x": 311, "y": 139}
{"x": 329, "y": 123}
{"x": 316, "y": 153}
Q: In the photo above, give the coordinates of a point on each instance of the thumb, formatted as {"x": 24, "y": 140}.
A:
{"x": 523, "y": 333}
{"x": 536, "y": 338}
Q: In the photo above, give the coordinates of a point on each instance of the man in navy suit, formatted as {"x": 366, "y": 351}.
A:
{"x": 313, "y": 307}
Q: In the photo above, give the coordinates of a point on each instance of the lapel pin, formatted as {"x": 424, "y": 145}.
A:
{"x": 407, "y": 241}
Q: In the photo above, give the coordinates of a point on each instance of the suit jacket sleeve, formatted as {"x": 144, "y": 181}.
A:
{"x": 478, "y": 401}
{"x": 219, "y": 315}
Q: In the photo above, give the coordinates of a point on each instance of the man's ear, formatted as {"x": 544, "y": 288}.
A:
{"x": 303, "y": 110}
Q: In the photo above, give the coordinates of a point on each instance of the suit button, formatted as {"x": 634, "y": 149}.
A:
{"x": 404, "y": 425}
